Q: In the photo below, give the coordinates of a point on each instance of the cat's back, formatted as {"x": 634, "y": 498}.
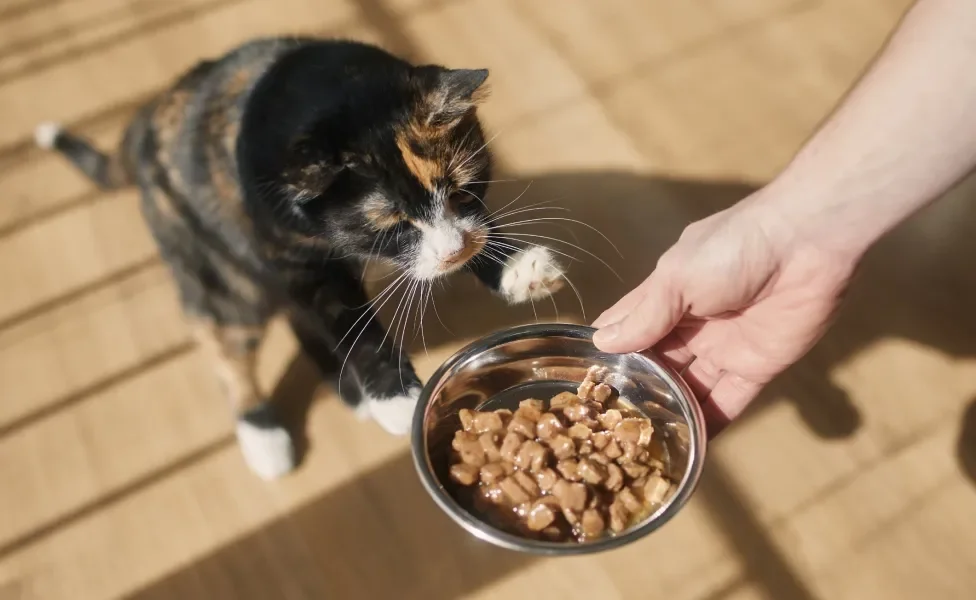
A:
{"x": 182, "y": 144}
{"x": 195, "y": 122}
{"x": 195, "y": 126}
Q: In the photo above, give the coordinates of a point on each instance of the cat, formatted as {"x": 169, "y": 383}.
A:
{"x": 270, "y": 176}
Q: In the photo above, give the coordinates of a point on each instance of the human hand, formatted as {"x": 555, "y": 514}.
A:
{"x": 740, "y": 296}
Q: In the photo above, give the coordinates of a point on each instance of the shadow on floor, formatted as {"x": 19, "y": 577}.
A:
{"x": 332, "y": 548}
{"x": 418, "y": 553}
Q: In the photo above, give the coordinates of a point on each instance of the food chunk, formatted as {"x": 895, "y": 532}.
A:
{"x": 602, "y": 392}
{"x": 510, "y": 446}
{"x": 571, "y": 496}
{"x": 615, "y": 478}
{"x": 532, "y": 456}
{"x": 562, "y": 447}
{"x": 548, "y": 426}
{"x": 577, "y": 412}
{"x": 527, "y": 483}
{"x": 540, "y": 516}
{"x": 530, "y": 410}
{"x": 546, "y": 479}
{"x": 490, "y": 447}
{"x": 591, "y": 472}
{"x": 655, "y": 489}
{"x": 635, "y": 470}
{"x": 618, "y": 517}
{"x": 628, "y": 430}
{"x": 563, "y": 400}
{"x": 492, "y": 473}
{"x": 464, "y": 473}
{"x": 513, "y": 491}
{"x": 580, "y": 431}
{"x": 592, "y": 523}
{"x": 522, "y": 426}
{"x": 610, "y": 419}
{"x": 569, "y": 469}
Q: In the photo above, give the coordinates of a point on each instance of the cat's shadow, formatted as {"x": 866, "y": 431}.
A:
{"x": 911, "y": 286}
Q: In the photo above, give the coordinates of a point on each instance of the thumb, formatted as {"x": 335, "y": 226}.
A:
{"x": 648, "y": 322}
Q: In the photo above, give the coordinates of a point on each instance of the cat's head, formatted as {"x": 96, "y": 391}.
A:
{"x": 395, "y": 169}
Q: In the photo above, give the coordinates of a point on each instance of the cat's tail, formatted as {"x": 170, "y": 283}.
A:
{"x": 107, "y": 171}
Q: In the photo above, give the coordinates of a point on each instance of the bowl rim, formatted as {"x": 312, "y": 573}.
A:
{"x": 691, "y": 410}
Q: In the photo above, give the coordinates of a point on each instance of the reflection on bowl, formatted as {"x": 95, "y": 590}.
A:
{"x": 540, "y": 361}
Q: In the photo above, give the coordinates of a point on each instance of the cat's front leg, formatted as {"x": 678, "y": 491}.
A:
{"x": 518, "y": 274}
{"x": 337, "y": 327}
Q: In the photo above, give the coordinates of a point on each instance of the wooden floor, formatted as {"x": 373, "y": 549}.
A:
{"x": 852, "y": 479}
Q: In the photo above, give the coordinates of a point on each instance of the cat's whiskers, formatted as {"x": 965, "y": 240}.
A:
{"x": 396, "y": 314}
{"x": 500, "y": 215}
{"x": 531, "y": 208}
{"x": 517, "y": 198}
{"x": 578, "y": 297}
{"x": 372, "y": 313}
{"x": 428, "y": 290}
{"x": 515, "y": 237}
{"x": 372, "y": 248}
{"x": 534, "y": 245}
{"x": 474, "y": 154}
{"x": 378, "y": 296}
{"x": 406, "y": 322}
{"x": 566, "y": 219}
{"x": 458, "y": 148}
{"x": 433, "y": 302}
{"x": 388, "y": 293}
{"x": 494, "y": 255}
{"x": 495, "y": 181}
{"x": 552, "y": 298}
{"x": 476, "y": 197}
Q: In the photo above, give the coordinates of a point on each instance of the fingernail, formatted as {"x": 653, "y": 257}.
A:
{"x": 607, "y": 334}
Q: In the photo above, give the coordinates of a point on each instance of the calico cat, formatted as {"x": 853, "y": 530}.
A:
{"x": 271, "y": 175}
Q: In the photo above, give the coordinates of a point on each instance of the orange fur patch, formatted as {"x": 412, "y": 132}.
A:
{"x": 426, "y": 170}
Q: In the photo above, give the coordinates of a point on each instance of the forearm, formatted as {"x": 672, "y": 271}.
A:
{"x": 904, "y": 135}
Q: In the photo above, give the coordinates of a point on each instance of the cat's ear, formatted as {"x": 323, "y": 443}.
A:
{"x": 450, "y": 93}
{"x": 309, "y": 171}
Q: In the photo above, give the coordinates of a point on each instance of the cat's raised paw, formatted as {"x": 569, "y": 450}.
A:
{"x": 394, "y": 414}
{"x": 531, "y": 275}
{"x": 266, "y": 445}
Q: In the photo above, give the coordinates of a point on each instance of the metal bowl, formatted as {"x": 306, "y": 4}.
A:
{"x": 540, "y": 361}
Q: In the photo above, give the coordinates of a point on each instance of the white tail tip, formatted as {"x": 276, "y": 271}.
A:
{"x": 46, "y": 134}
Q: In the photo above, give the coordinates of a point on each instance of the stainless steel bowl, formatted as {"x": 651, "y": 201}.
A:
{"x": 539, "y": 361}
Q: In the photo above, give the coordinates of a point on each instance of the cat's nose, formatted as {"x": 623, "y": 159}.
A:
{"x": 459, "y": 254}
{"x": 454, "y": 258}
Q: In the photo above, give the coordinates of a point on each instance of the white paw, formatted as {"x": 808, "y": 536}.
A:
{"x": 395, "y": 414}
{"x": 531, "y": 275}
{"x": 46, "y": 134}
{"x": 268, "y": 451}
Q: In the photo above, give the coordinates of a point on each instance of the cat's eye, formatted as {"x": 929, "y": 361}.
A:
{"x": 462, "y": 197}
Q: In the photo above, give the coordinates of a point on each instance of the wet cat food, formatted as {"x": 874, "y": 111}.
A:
{"x": 575, "y": 468}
